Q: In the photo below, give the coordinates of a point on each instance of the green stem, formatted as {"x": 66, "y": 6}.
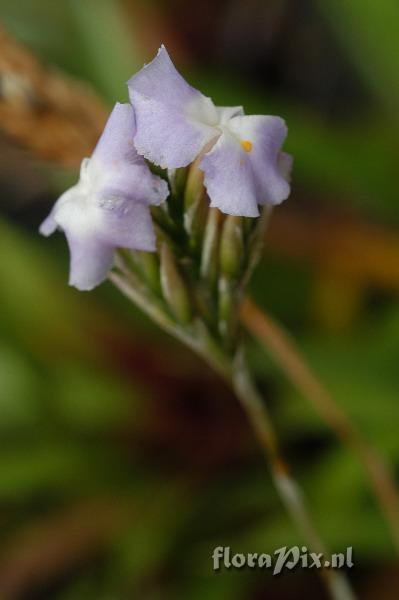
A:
{"x": 287, "y": 488}
{"x": 195, "y": 335}
{"x": 236, "y": 373}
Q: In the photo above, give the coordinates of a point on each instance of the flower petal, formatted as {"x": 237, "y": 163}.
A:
{"x": 109, "y": 207}
{"x": 266, "y": 135}
{"x": 174, "y": 120}
{"x": 50, "y": 224}
{"x": 90, "y": 261}
{"x": 117, "y": 169}
{"x": 127, "y": 182}
{"x": 131, "y": 227}
{"x": 242, "y": 170}
{"x": 92, "y": 253}
{"x": 94, "y": 231}
{"x": 229, "y": 178}
{"x": 116, "y": 141}
{"x": 285, "y": 162}
{"x": 225, "y": 113}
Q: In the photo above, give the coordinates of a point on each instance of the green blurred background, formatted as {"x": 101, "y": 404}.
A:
{"x": 123, "y": 460}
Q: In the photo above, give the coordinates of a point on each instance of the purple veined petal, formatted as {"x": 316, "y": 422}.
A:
{"x": 244, "y": 168}
{"x": 174, "y": 120}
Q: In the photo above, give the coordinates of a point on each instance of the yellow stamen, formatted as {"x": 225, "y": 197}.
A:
{"x": 247, "y": 145}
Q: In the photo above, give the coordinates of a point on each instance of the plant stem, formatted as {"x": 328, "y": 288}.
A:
{"x": 285, "y": 353}
{"x": 195, "y": 337}
{"x": 286, "y": 486}
{"x": 236, "y": 373}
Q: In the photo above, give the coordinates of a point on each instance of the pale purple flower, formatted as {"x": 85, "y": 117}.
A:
{"x": 109, "y": 206}
{"x": 241, "y": 155}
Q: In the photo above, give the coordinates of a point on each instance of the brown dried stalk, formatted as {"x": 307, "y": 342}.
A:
{"x": 53, "y": 117}
{"x": 288, "y": 357}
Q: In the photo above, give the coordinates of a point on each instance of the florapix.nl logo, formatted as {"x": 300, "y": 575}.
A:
{"x": 280, "y": 559}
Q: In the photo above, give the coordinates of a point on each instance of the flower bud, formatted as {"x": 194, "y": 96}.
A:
{"x": 210, "y": 246}
{"x": 231, "y": 247}
{"x": 148, "y": 264}
{"x": 227, "y": 309}
{"x": 173, "y": 286}
{"x": 195, "y": 206}
{"x": 177, "y": 181}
